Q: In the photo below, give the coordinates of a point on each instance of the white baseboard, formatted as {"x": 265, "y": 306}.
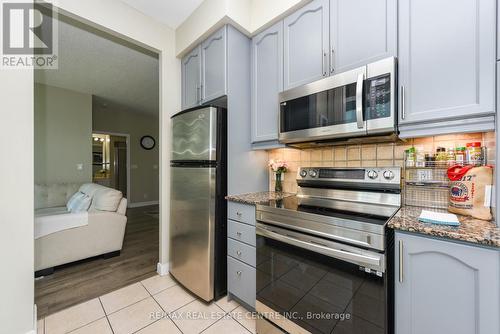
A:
{"x": 162, "y": 269}
{"x": 139, "y": 204}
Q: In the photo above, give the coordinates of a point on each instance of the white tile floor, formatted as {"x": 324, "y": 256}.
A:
{"x": 157, "y": 305}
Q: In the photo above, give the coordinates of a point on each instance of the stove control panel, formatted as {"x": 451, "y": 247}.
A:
{"x": 383, "y": 175}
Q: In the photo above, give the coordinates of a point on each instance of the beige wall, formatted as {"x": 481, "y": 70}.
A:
{"x": 249, "y": 16}
{"x": 63, "y": 132}
{"x": 368, "y": 155}
{"x": 144, "y": 172}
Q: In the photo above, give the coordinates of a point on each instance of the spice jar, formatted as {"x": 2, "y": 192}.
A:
{"x": 410, "y": 157}
{"x": 450, "y": 156}
{"x": 474, "y": 153}
{"x": 461, "y": 155}
{"x": 441, "y": 157}
{"x": 420, "y": 161}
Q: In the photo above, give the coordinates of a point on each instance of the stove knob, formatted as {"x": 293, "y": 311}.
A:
{"x": 303, "y": 173}
{"x": 372, "y": 174}
{"x": 313, "y": 173}
{"x": 388, "y": 175}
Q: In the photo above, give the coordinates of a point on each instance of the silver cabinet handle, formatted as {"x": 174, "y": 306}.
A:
{"x": 201, "y": 93}
{"x": 198, "y": 94}
{"x": 239, "y": 214}
{"x": 238, "y": 234}
{"x": 402, "y": 99}
{"x": 359, "y": 101}
{"x": 400, "y": 261}
{"x": 332, "y": 62}
{"x": 323, "y": 66}
{"x": 238, "y": 273}
{"x": 238, "y": 252}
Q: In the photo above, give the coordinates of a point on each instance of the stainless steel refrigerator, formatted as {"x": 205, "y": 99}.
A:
{"x": 198, "y": 206}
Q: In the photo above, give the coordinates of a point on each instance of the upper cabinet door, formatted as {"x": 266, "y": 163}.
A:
{"x": 446, "y": 59}
{"x": 267, "y": 82}
{"x": 306, "y": 40}
{"x": 191, "y": 79}
{"x": 445, "y": 287}
{"x": 361, "y": 31}
{"x": 214, "y": 66}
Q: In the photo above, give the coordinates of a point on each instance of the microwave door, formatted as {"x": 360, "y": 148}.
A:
{"x": 326, "y": 109}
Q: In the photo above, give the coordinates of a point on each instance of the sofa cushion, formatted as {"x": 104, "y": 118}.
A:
{"x": 54, "y": 195}
{"x": 103, "y": 198}
{"x": 79, "y": 202}
{"x": 107, "y": 199}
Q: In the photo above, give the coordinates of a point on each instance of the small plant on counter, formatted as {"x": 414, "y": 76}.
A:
{"x": 278, "y": 167}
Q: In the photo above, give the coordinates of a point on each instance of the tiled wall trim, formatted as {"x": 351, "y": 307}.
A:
{"x": 369, "y": 155}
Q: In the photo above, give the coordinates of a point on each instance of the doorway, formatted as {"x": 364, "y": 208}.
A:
{"x": 117, "y": 105}
{"x": 110, "y": 161}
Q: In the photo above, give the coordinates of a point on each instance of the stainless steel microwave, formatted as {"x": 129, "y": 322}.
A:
{"x": 360, "y": 102}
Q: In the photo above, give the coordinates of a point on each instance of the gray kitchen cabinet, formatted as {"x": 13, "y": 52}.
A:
{"x": 191, "y": 79}
{"x": 213, "y": 65}
{"x": 267, "y": 82}
{"x": 306, "y": 44}
{"x": 361, "y": 32}
{"x": 445, "y": 287}
{"x": 241, "y": 253}
{"x": 447, "y": 54}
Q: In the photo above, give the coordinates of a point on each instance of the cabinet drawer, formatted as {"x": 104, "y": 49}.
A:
{"x": 244, "y": 213}
{"x": 241, "y": 281}
{"x": 241, "y": 232}
{"x": 241, "y": 251}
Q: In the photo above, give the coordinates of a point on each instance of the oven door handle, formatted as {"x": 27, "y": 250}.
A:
{"x": 359, "y": 259}
{"x": 359, "y": 101}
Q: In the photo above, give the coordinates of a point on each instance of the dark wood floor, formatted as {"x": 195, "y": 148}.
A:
{"x": 80, "y": 282}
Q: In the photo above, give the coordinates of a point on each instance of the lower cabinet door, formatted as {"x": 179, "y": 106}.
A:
{"x": 445, "y": 287}
{"x": 241, "y": 281}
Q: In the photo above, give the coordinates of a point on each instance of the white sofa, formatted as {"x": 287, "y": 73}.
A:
{"x": 102, "y": 234}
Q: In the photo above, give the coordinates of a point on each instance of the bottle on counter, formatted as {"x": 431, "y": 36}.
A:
{"x": 474, "y": 153}
{"x": 430, "y": 160}
{"x": 441, "y": 157}
{"x": 420, "y": 159}
{"x": 450, "y": 156}
{"x": 461, "y": 155}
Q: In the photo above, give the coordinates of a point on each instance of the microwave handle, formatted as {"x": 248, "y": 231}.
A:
{"x": 359, "y": 101}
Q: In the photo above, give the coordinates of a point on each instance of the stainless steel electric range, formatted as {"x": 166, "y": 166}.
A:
{"x": 323, "y": 256}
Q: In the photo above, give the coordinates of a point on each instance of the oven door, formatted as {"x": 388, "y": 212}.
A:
{"x": 325, "y": 109}
{"x": 309, "y": 284}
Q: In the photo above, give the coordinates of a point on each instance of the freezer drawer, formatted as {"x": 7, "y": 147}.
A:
{"x": 192, "y": 228}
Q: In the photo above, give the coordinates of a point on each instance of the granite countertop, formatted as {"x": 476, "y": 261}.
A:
{"x": 470, "y": 230}
{"x": 258, "y": 198}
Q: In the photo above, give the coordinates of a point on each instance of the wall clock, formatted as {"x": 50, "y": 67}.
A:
{"x": 148, "y": 142}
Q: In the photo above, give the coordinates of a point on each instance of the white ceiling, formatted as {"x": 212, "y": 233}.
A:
{"x": 117, "y": 73}
{"x": 170, "y": 12}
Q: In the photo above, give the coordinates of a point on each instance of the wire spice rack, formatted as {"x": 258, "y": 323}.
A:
{"x": 426, "y": 183}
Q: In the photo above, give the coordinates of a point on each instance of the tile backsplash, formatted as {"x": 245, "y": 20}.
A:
{"x": 369, "y": 155}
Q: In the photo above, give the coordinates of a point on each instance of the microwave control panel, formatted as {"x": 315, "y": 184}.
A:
{"x": 378, "y": 97}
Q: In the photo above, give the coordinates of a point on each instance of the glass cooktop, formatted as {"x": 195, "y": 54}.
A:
{"x": 292, "y": 204}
